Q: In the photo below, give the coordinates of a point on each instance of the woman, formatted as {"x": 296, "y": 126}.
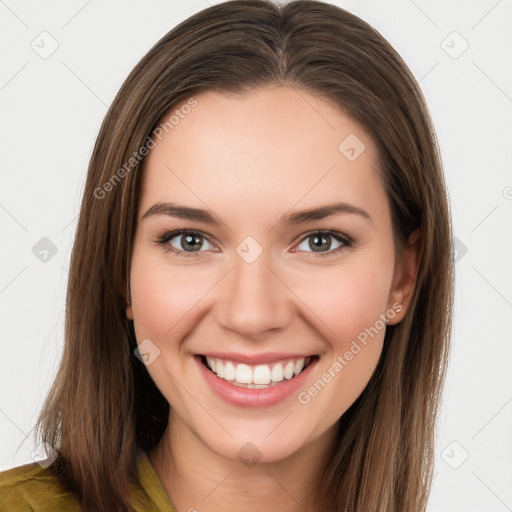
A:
{"x": 260, "y": 291}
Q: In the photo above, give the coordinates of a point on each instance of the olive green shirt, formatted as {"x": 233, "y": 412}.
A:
{"x": 32, "y": 488}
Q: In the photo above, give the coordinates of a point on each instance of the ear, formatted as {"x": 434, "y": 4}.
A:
{"x": 404, "y": 278}
{"x": 129, "y": 312}
{"x": 128, "y": 301}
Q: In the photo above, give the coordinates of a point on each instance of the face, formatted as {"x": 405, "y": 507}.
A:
{"x": 287, "y": 310}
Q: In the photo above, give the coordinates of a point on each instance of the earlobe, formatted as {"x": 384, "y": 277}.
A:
{"x": 128, "y": 300}
{"x": 404, "y": 279}
{"x": 129, "y": 310}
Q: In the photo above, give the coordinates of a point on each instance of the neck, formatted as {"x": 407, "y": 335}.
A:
{"x": 198, "y": 479}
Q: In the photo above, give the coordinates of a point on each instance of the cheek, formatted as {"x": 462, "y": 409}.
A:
{"x": 164, "y": 296}
{"x": 347, "y": 299}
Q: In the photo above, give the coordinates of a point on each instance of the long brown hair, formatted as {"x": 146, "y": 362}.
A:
{"x": 103, "y": 407}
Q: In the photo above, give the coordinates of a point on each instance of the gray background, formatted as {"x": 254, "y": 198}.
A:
{"x": 52, "y": 105}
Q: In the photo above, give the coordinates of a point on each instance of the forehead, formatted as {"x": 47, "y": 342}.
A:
{"x": 271, "y": 147}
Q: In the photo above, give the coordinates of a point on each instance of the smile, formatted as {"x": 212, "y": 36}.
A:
{"x": 259, "y": 376}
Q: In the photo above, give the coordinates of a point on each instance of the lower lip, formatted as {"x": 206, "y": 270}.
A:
{"x": 244, "y": 397}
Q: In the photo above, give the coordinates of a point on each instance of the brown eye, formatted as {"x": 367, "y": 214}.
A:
{"x": 184, "y": 243}
{"x": 321, "y": 243}
{"x": 190, "y": 242}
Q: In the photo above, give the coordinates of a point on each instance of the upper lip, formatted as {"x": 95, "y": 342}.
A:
{"x": 254, "y": 359}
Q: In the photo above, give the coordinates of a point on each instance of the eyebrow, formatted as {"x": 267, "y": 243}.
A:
{"x": 298, "y": 217}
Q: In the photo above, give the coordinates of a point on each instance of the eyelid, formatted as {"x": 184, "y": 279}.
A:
{"x": 345, "y": 241}
{"x": 342, "y": 238}
{"x": 164, "y": 240}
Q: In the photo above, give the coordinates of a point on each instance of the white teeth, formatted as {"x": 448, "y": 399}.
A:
{"x": 288, "y": 370}
{"x": 277, "y": 373}
{"x": 219, "y": 369}
{"x": 229, "y": 371}
{"x": 261, "y": 374}
{"x": 299, "y": 366}
{"x": 211, "y": 363}
{"x": 256, "y": 377}
{"x": 243, "y": 374}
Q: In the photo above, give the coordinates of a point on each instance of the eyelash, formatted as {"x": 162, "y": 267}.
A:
{"x": 340, "y": 237}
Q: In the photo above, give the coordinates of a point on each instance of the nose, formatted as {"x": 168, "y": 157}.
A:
{"x": 255, "y": 299}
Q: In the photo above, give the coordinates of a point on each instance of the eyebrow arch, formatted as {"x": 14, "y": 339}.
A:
{"x": 299, "y": 217}
{"x": 323, "y": 212}
{"x": 182, "y": 212}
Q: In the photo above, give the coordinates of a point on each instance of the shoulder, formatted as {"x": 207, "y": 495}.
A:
{"x": 33, "y": 488}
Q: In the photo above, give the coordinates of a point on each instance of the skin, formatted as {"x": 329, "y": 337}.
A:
{"x": 250, "y": 159}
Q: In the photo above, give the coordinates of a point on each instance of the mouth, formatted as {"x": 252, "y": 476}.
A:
{"x": 260, "y": 376}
